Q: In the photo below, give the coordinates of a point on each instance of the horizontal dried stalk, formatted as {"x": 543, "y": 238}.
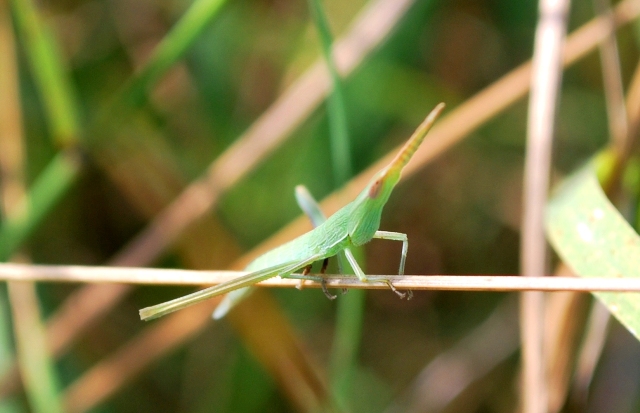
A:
{"x": 153, "y": 276}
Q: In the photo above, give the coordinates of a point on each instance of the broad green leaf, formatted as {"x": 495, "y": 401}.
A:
{"x": 594, "y": 240}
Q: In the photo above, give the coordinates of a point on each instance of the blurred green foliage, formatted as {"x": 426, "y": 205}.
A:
{"x": 461, "y": 212}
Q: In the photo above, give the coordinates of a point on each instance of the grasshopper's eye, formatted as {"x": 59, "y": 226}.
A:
{"x": 375, "y": 189}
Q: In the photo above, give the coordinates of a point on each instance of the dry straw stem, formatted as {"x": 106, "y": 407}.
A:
{"x": 545, "y": 83}
{"x": 112, "y": 372}
{"x": 589, "y": 355}
{"x": 151, "y": 276}
{"x": 612, "y": 81}
{"x": 108, "y": 375}
{"x": 446, "y": 377}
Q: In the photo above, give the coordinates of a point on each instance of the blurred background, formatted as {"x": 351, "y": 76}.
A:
{"x": 112, "y": 108}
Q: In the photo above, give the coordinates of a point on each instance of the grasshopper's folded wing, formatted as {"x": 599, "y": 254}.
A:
{"x": 283, "y": 269}
{"x": 311, "y": 208}
{"x": 229, "y": 301}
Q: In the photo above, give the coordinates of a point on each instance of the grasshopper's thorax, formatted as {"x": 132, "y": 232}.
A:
{"x": 364, "y": 220}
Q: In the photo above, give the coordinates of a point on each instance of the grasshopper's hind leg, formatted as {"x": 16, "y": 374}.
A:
{"x": 305, "y": 275}
{"x": 323, "y": 283}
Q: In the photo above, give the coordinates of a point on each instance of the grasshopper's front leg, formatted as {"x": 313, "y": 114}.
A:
{"x": 363, "y": 277}
{"x": 397, "y": 236}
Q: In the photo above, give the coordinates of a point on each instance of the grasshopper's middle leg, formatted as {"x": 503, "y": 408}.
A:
{"x": 305, "y": 276}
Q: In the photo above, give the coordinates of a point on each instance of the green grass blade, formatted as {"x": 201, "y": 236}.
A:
{"x": 7, "y": 405}
{"x": 339, "y": 134}
{"x": 49, "y": 73}
{"x": 36, "y": 365}
{"x": 350, "y": 311}
{"x": 51, "y": 185}
{"x": 594, "y": 240}
{"x": 63, "y": 170}
{"x": 167, "y": 53}
{"x": 346, "y": 343}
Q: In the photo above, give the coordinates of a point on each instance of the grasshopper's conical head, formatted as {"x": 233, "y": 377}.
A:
{"x": 390, "y": 175}
{"x": 368, "y": 206}
{"x": 409, "y": 148}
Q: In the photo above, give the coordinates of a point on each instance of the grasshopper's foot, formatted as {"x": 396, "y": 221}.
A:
{"x": 326, "y": 292}
{"x": 323, "y": 282}
{"x": 408, "y": 294}
{"x": 398, "y": 293}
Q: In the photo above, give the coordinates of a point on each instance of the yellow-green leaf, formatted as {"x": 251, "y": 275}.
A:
{"x": 594, "y": 240}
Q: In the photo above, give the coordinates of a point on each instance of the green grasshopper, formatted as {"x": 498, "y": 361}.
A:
{"x": 354, "y": 224}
